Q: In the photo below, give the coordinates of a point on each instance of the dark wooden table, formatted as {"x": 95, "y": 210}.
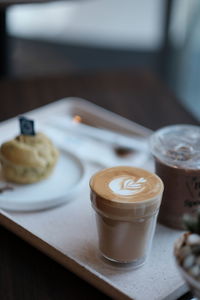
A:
{"x": 25, "y": 273}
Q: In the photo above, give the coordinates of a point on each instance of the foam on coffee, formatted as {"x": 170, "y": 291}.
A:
{"x": 126, "y": 184}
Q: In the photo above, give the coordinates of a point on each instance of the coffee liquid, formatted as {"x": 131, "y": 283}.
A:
{"x": 181, "y": 195}
{"x": 125, "y": 241}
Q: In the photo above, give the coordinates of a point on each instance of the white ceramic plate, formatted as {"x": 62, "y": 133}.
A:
{"x": 59, "y": 188}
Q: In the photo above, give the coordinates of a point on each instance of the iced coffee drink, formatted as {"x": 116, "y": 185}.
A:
{"x": 176, "y": 150}
{"x": 126, "y": 201}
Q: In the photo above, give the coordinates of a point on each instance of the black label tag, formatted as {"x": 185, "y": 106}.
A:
{"x": 26, "y": 126}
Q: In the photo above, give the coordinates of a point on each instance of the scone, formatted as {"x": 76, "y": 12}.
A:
{"x": 28, "y": 159}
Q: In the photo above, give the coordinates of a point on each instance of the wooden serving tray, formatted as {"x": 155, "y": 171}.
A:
{"x": 68, "y": 234}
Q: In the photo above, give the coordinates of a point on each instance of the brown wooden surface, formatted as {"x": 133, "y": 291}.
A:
{"x": 138, "y": 96}
{"x": 25, "y": 273}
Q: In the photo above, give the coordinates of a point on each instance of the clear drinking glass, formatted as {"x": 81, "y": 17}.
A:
{"x": 125, "y": 223}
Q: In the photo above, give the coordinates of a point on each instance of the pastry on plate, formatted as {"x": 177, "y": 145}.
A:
{"x": 28, "y": 158}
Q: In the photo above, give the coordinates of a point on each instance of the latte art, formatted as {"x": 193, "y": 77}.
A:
{"x": 127, "y": 186}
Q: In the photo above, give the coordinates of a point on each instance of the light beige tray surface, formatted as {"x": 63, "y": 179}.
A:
{"x": 68, "y": 234}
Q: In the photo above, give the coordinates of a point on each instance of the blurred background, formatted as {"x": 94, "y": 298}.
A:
{"x": 93, "y": 35}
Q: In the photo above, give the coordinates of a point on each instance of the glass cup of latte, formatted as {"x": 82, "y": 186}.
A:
{"x": 126, "y": 201}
